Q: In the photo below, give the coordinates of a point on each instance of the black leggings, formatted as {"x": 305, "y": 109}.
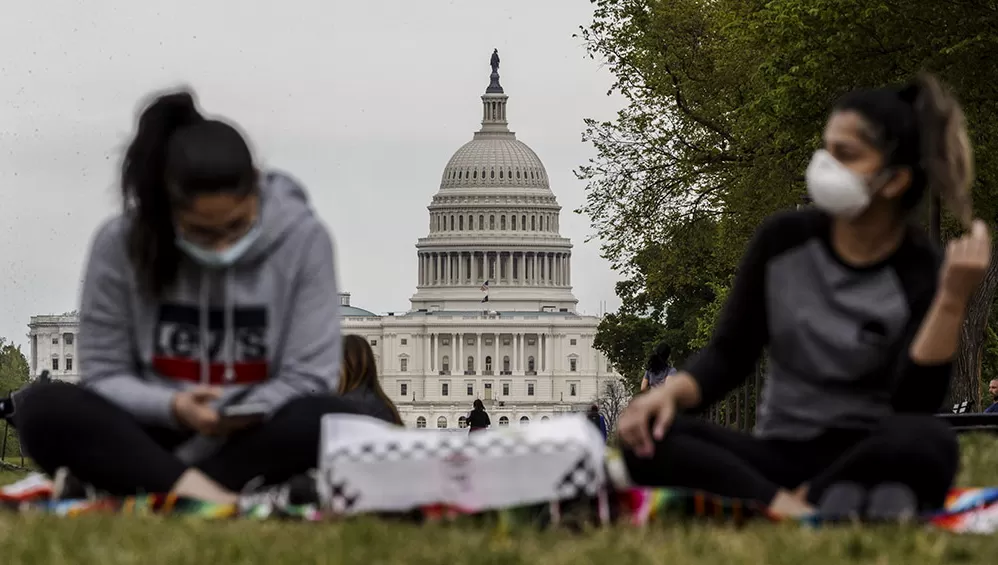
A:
{"x": 919, "y": 451}
{"x": 63, "y": 425}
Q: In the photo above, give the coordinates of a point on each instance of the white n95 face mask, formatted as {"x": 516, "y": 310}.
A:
{"x": 835, "y": 188}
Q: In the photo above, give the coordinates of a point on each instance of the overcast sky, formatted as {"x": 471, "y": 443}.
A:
{"x": 365, "y": 101}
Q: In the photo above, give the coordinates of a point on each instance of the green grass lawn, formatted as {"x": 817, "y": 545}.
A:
{"x": 107, "y": 540}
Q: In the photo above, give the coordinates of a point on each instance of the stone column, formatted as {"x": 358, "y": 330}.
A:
{"x": 550, "y": 352}
{"x": 542, "y": 353}
{"x": 534, "y": 279}
{"x": 514, "y": 357}
{"x": 427, "y": 366}
{"x": 453, "y": 351}
{"x": 479, "y": 364}
{"x": 523, "y": 353}
{"x": 496, "y": 365}
{"x": 568, "y": 269}
{"x": 508, "y": 262}
{"x": 460, "y": 352}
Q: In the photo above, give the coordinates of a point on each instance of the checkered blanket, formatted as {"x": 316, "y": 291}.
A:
{"x": 973, "y": 510}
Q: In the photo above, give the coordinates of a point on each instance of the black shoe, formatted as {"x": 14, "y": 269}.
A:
{"x": 892, "y": 502}
{"x": 299, "y": 490}
{"x": 842, "y": 502}
{"x": 67, "y": 487}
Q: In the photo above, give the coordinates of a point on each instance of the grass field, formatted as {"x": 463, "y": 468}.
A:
{"x": 54, "y": 541}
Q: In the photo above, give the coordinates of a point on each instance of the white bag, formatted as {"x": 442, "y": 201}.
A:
{"x": 366, "y": 465}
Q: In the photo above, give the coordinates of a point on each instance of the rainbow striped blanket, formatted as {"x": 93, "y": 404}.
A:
{"x": 969, "y": 510}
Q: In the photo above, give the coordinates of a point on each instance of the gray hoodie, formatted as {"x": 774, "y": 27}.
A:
{"x": 266, "y": 329}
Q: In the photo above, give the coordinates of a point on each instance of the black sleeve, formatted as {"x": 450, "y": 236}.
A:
{"x": 488, "y": 421}
{"x": 918, "y": 388}
{"x": 742, "y": 330}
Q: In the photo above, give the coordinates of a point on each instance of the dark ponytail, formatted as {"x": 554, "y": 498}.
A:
{"x": 176, "y": 154}
{"x": 946, "y": 154}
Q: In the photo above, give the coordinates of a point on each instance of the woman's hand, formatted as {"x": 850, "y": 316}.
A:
{"x": 192, "y": 408}
{"x": 966, "y": 261}
{"x": 646, "y": 419}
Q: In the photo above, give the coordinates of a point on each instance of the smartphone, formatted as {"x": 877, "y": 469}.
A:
{"x": 248, "y": 411}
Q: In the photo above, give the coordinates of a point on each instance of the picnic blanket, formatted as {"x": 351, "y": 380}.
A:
{"x": 967, "y": 510}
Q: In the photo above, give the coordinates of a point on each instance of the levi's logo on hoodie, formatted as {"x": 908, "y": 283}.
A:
{"x": 178, "y": 353}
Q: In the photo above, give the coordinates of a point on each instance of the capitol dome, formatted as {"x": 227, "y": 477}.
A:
{"x": 494, "y": 226}
{"x": 490, "y": 161}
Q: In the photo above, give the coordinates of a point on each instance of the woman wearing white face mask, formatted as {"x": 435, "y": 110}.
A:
{"x": 861, "y": 319}
{"x": 209, "y": 338}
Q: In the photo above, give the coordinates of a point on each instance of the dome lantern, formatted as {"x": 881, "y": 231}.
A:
{"x": 494, "y": 102}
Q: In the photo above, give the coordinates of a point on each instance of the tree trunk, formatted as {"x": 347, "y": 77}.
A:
{"x": 966, "y": 380}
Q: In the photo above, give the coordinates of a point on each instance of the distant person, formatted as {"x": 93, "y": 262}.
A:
{"x": 993, "y": 389}
{"x": 598, "y": 420}
{"x": 214, "y": 289}
{"x": 478, "y": 419}
{"x": 359, "y": 380}
{"x": 658, "y": 368}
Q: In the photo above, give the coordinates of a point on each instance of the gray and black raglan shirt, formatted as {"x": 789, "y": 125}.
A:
{"x": 837, "y": 336}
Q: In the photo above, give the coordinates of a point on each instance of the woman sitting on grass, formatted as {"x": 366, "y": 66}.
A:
{"x": 861, "y": 321}
{"x": 359, "y": 381}
{"x": 214, "y": 290}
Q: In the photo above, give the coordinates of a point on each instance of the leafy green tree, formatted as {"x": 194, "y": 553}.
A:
{"x": 14, "y": 374}
{"x": 726, "y": 100}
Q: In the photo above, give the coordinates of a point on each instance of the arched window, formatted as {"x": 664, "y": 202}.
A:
{"x": 481, "y": 222}
{"x": 452, "y": 222}
{"x": 445, "y": 365}
{"x": 530, "y": 363}
{"x": 439, "y": 224}
{"x": 441, "y": 422}
{"x": 471, "y": 364}
{"x": 421, "y": 422}
{"x": 474, "y": 175}
{"x": 500, "y": 173}
{"x": 547, "y": 220}
{"x": 544, "y": 418}
{"x": 533, "y": 223}
{"x": 460, "y": 223}
{"x": 524, "y": 421}
{"x": 503, "y": 421}
{"x": 523, "y": 221}
{"x": 488, "y": 362}
{"x": 471, "y": 222}
{"x": 462, "y": 422}
{"x": 492, "y": 222}
{"x": 502, "y": 222}
{"x": 512, "y": 223}
{"x": 505, "y": 363}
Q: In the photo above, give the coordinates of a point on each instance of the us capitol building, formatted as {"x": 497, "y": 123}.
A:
{"x": 493, "y": 316}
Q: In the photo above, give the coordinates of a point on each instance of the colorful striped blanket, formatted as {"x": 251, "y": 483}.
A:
{"x": 972, "y": 510}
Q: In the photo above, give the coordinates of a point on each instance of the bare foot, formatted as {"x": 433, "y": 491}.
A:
{"x": 801, "y": 492}
{"x": 787, "y": 505}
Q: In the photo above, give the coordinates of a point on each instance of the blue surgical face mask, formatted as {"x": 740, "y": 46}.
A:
{"x": 222, "y": 258}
